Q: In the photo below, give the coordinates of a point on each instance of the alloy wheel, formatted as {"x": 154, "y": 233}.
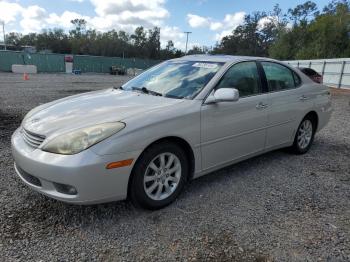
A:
{"x": 162, "y": 176}
{"x": 304, "y": 134}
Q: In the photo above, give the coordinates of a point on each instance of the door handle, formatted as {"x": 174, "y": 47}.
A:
{"x": 303, "y": 98}
{"x": 261, "y": 105}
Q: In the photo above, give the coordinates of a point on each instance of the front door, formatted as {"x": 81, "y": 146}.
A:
{"x": 232, "y": 130}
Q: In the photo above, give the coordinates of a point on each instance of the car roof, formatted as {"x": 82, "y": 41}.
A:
{"x": 221, "y": 58}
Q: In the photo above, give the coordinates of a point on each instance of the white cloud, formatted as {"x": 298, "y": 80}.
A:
{"x": 196, "y": 21}
{"x": 109, "y": 14}
{"x": 33, "y": 18}
{"x": 63, "y": 20}
{"x": 222, "y": 34}
{"x": 226, "y": 25}
{"x": 9, "y": 11}
{"x": 172, "y": 33}
{"x": 267, "y": 20}
{"x": 216, "y": 26}
{"x": 133, "y": 13}
{"x": 231, "y": 21}
{"x": 234, "y": 20}
{"x": 108, "y": 7}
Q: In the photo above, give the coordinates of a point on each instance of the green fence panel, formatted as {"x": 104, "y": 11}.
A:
{"x": 44, "y": 62}
{"x": 51, "y": 63}
{"x": 97, "y": 64}
{"x": 7, "y": 59}
{"x": 100, "y": 64}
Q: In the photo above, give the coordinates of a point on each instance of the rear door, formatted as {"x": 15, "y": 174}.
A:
{"x": 286, "y": 103}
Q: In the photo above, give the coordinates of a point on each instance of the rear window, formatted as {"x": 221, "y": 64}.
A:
{"x": 278, "y": 76}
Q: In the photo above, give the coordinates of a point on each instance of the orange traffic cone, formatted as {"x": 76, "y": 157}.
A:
{"x": 25, "y": 76}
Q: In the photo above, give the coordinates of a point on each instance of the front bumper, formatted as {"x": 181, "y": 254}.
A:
{"x": 85, "y": 172}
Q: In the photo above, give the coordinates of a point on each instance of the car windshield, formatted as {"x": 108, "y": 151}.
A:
{"x": 174, "y": 79}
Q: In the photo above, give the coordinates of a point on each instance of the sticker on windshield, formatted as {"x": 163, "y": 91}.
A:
{"x": 205, "y": 65}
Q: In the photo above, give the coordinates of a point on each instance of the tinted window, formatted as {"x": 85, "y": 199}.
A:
{"x": 244, "y": 77}
{"x": 278, "y": 76}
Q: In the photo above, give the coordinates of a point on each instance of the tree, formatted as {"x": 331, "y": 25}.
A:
{"x": 13, "y": 39}
{"x": 302, "y": 13}
{"x": 170, "y": 46}
{"x": 251, "y": 38}
{"x": 324, "y": 35}
{"x": 79, "y": 28}
{"x": 153, "y": 43}
{"x": 303, "y": 32}
{"x": 196, "y": 50}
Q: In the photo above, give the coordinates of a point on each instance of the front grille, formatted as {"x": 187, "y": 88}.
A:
{"x": 28, "y": 177}
{"x": 32, "y": 139}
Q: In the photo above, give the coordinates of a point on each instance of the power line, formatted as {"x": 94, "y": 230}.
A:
{"x": 187, "y": 33}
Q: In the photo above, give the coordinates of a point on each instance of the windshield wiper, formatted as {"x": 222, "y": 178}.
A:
{"x": 120, "y": 87}
{"x": 147, "y": 91}
{"x": 173, "y": 96}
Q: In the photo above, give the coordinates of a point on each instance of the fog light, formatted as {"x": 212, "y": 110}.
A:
{"x": 65, "y": 189}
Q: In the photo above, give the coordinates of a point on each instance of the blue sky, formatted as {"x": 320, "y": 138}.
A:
{"x": 209, "y": 20}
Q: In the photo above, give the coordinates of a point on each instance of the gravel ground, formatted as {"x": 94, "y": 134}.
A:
{"x": 275, "y": 207}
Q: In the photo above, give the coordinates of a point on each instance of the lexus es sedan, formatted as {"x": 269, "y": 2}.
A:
{"x": 177, "y": 121}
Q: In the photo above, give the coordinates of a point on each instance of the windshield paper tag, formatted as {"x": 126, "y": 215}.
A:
{"x": 205, "y": 65}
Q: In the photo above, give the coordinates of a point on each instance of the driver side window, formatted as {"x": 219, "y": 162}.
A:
{"x": 244, "y": 77}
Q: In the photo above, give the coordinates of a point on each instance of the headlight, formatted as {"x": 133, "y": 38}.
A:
{"x": 78, "y": 140}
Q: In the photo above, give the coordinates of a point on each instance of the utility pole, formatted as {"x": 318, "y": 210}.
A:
{"x": 187, "y": 33}
{"x": 3, "y": 31}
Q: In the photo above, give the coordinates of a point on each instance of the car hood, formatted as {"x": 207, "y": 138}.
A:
{"x": 92, "y": 108}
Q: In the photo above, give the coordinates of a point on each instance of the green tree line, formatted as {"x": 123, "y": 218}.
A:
{"x": 80, "y": 40}
{"x": 302, "y": 32}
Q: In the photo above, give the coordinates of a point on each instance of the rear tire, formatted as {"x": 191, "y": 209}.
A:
{"x": 159, "y": 176}
{"x": 304, "y": 136}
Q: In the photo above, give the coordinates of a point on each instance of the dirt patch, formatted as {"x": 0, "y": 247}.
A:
{"x": 8, "y": 124}
{"x": 340, "y": 91}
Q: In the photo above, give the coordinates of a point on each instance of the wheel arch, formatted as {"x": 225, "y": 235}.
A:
{"x": 314, "y": 116}
{"x": 170, "y": 139}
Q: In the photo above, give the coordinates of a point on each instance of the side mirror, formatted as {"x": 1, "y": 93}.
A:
{"x": 223, "y": 95}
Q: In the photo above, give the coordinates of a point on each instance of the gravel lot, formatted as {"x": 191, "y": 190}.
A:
{"x": 275, "y": 207}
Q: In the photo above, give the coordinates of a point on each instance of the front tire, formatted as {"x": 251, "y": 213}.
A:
{"x": 159, "y": 176}
{"x": 304, "y": 136}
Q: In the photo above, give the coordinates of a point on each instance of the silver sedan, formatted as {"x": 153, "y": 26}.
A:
{"x": 177, "y": 121}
